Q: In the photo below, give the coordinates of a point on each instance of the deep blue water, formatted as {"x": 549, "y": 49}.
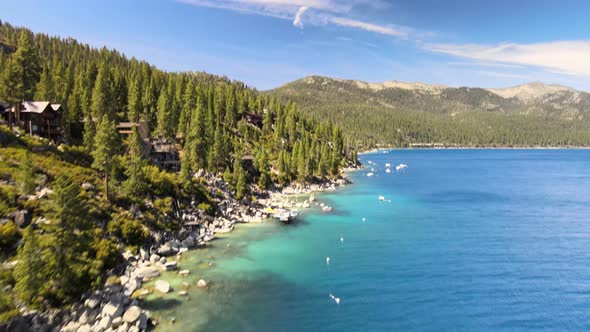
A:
{"x": 472, "y": 240}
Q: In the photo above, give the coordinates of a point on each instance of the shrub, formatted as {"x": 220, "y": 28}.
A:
{"x": 8, "y": 235}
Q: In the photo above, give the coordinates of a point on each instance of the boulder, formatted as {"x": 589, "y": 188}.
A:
{"x": 116, "y": 322}
{"x": 184, "y": 272}
{"x": 143, "y": 254}
{"x": 113, "y": 309}
{"x": 183, "y": 293}
{"x": 201, "y": 283}
{"x": 71, "y": 327}
{"x": 22, "y": 218}
{"x": 133, "y": 329}
{"x": 162, "y": 286}
{"x": 147, "y": 272}
{"x": 169, "y": 266}
{"x": 104, "y": 323}
{"x": 165, "y": 250}
{"x": 143, "y": 322}
{"x": 84, "y": 328}
{"x": 87, "y": 316}
{"x": 189, "y": 242}
{"x": 92, "y": 302}
{"x": 132, "y": 314}
{"x": 88, "y": 186}
{"x": 154, "y": 258}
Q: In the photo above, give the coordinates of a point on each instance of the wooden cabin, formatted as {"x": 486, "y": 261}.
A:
{"x": 40, "y": 118}
{"x": 164, "y": 154}
{"x": 126, "y": 128}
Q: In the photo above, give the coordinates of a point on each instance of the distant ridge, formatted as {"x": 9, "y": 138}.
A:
{"x": 395, "y": 113}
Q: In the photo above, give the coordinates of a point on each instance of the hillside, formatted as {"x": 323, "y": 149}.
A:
{"x": 399, "y": 114}
{"x": 71, "y": 206}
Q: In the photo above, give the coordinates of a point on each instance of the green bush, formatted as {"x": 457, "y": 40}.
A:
{"x": 8, "y": 235}
{"x": 206, "y": 207}
{"x": 131, "y": 231}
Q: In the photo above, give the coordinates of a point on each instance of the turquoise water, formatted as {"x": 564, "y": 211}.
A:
{"x": 482, "y": 240}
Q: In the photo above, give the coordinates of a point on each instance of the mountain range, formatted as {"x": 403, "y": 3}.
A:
{"x": 397, "y": 113}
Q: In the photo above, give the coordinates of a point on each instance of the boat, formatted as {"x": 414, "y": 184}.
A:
{"x": 401, "y": 167}
{"x": 388, "y": 165}
{"x": 286, "y": 215}
{"x": 381, "y": 198}
{"x": 327, "y": 208}
{"x": 388, "y": 171}
{"x": 370, "y": 174}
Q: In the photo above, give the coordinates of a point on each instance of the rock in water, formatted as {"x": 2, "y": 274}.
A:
{"x": 132, "y": 314}
{"x": 201, "y": 283}
{"x": 162, "y": 286}
{"x": 147, "y": 272}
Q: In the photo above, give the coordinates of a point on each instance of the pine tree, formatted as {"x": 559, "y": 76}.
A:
{"x": 102, "y": 98}
{"x": 12, "y": 82}
{"x": 136, "y": 182}
{"x": 134, "y": 103}
{"x": 89, "y": 133}
{"x": 29, "y": 273}
{"x": 68, "y": 262}
{"x": 241, "y": 177}
{"x": 106, "y": 143}
{"x": 45, "y": 87}
{"x": 164, "y": 128}
{"x": 26, "y": 176}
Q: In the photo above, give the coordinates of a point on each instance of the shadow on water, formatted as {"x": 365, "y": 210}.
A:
{"x": 162, "y": 304}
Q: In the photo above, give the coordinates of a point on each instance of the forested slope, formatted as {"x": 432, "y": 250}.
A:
{"x": 398, "y": 114}
{"x": 58, "y": 238}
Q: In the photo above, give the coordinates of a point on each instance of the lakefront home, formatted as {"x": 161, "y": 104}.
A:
{"x": 165, "y": 154}
{"x": 40, "y": 118}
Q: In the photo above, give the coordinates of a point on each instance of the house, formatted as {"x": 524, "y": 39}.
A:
{"x": 164, "y": 154}
{"x": 39, "y": 118}
{"x": 253, "y": 119}
{"x": 126, "y": 128}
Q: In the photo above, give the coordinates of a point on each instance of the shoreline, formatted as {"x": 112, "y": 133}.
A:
{"x": 117, "y": 305}
{"x": 377, "y": 150}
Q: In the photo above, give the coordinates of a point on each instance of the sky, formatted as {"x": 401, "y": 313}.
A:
{"x": 267, "y": 43}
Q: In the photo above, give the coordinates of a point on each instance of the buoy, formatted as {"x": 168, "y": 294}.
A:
{"x": 327, "y": 260}
{"x": 363, "y": 219}
{"x": 341, "y": 239}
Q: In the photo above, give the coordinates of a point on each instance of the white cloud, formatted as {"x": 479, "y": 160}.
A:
{"x": 564, "y": 57}
{"x": 381, "y": 29}
{"x": 325, "y": 12}
{"x": 298, "y": 17}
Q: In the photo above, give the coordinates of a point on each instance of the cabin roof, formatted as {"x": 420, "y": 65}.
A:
{"x": 38, "y": 106}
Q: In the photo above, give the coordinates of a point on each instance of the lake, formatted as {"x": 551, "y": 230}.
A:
{"x": 464, "y": 240}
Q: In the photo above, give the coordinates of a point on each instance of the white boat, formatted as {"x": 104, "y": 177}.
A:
{"x": 388, "y": 165}
{"x": 370, "y": 174}
{"x": 388, "y": 171}
{"x": 327, "y": 208}
{"x": 401, "y": 167}
{"x": 381, "y": 198}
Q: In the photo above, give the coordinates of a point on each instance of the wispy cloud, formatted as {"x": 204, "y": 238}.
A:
{"x": 298, "y": 16}
{"x": 384, "y": 30}
{"x": 317, "y": 12}
{"x": 564, "y": 57}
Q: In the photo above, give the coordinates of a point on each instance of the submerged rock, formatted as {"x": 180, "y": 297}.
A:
{"x": 201, "y": 283}
{"x": 162, "y": 286}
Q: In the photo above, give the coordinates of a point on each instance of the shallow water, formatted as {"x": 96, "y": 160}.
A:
{"x": 471, "y": 240}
